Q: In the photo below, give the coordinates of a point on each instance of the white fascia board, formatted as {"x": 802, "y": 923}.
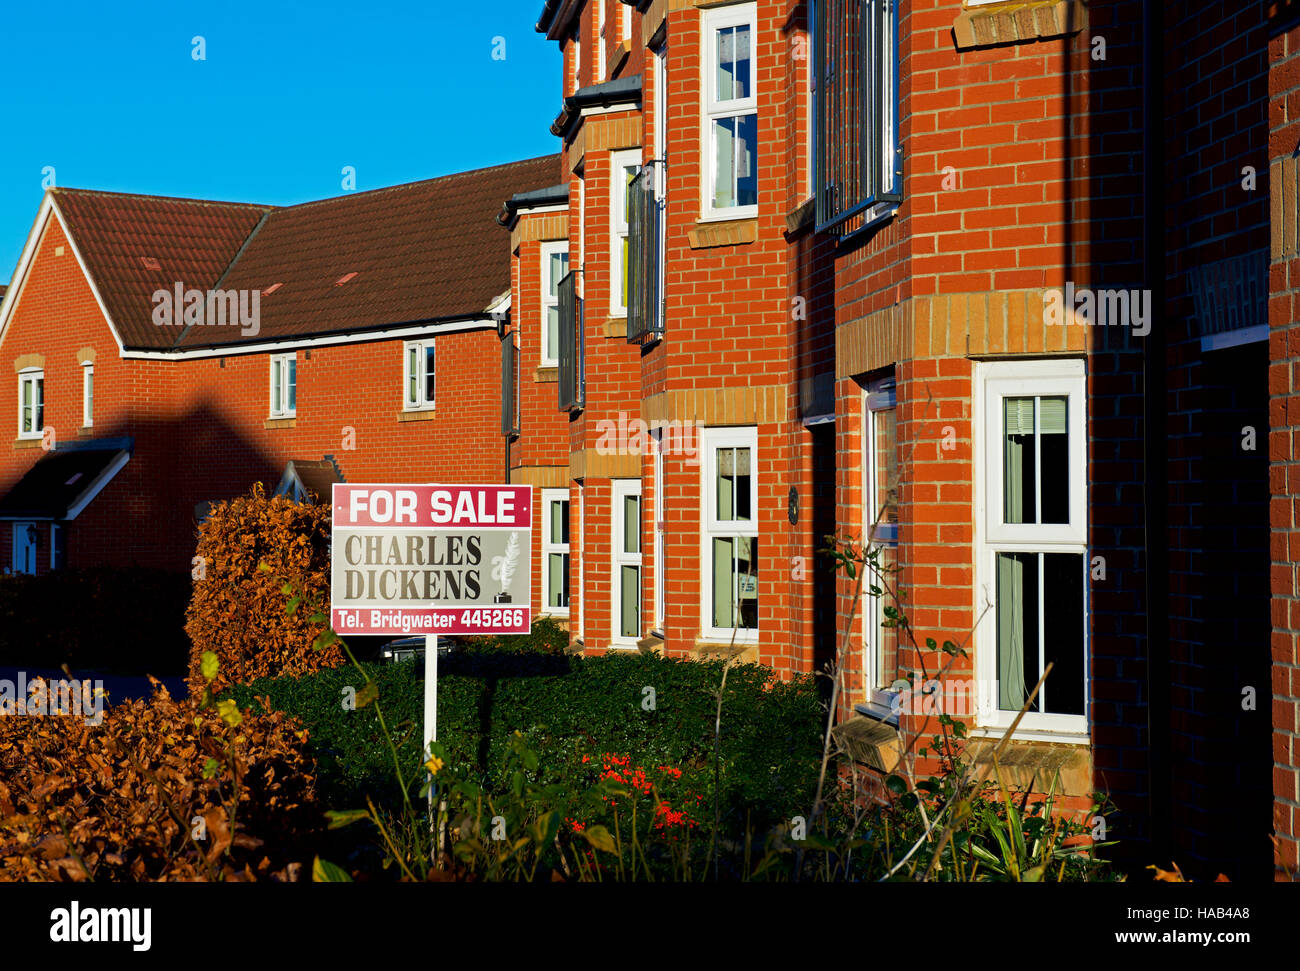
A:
{"x": 355, "y": 337}
{"x": 538, "y": 210}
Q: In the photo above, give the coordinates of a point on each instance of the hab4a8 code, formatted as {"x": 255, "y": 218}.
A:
{"x": 494, "y": 617}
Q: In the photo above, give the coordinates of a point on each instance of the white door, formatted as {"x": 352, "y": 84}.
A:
{"x": 24, "y": 547}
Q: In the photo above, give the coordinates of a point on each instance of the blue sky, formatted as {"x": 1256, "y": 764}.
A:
{"x": 110, "y": 96}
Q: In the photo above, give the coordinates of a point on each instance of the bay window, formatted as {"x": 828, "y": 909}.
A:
{"x": 1032, "y": 565}
{"x": 555, "y": 266}
{"x": 555, "y": 552}
{"x": 729, "y": 553}
{"x": 626, "y": 566}
{"x": 730, "y": 112}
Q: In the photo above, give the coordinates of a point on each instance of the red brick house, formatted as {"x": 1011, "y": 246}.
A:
{"x": 353, "y": 334}
{"x": 906, "y": 266}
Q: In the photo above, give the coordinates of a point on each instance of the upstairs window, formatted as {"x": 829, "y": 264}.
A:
{"x": 31, "y": 403}
{"x": 419, "y": 376}
{"x": 730, "y": 113}
{"x": 555, "y": 266}
{"x": 284, "y": 385}
{"x": 625, "y": 166}
{"x": 87, "y": 394}
{"x": 857, "y": 165}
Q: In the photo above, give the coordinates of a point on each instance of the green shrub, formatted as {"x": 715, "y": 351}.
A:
{"x": 127, "y": 621}
{"x": 569, "y": 707}
{"x": 546, "y": 637}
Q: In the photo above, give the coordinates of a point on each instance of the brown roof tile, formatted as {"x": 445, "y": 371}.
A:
{"x": 419, "y": 252}
{"x": 123, "y": 237}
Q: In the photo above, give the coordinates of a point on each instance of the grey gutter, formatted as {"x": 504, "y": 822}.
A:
{"x": 620, "y": 91}
{"x": 555, "y": 195}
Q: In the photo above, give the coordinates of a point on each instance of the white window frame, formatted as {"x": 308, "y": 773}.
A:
{"x": 600, "y": 41}
{"x": 711, "y": 440}
{"x": 87, "y": 394}
{"x": 32, "y": 375}
{"x": 577, "y": 55}
{"x": 280, "y": 364}
{"x": 421, "y": 401}
{"x": 879, "y": 396}
{"x": 582, "y": 560}
{"x": 579, "y": 289}
{"x": 620, "y": 490}
{"x": 619, "y": 229}
{"x": 657, "y": 493}
{"x": 660, "y": 96}
{"x": 995, "y": 381}
{"x": 550, "y": 545}
{"x": 714, "y": 19}
{"x": 550, "y": 300}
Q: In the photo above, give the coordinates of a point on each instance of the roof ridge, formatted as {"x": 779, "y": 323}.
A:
{"x": 419, "y": 182}
{"x": 64, "y": 190}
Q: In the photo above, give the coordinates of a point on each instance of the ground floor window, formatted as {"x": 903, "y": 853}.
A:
{"x": 730, "y": 546}
{"x": 626, "y": 546}
{"x": 880, "y": 527}
{"x": 1032, "y": 566}
{"x": 555, "y": 552}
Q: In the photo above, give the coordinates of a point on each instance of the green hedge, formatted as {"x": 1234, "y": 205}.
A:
{"x": 121, "y": 621}
{"x": 569, "y": 707}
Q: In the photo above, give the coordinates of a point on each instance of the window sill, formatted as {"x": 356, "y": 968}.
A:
{"x": 615, "y": 327}
{"x": 417, "y": 414}
{"x": 618, "y": 56}
{"x": 1031, "y": 735}
{"x": 289, "y": 421}
{"x": 652, "y": 643}
{"x": 27, "y": 443}
{"x": 744, "y": 651}
{"x": 546, "y": 375}
{"x": 1016, "y": 21}
{"x": 730, "y": 232}
{"x": 801, "y": 217}
{"x": 86, "y": 430}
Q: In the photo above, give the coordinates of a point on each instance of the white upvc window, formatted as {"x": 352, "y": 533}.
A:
{"x": 582, "y": 561}
{"x": 87, "y": 394}
{"x": 1032, "y": 543}
{"x": 658, "y": 494}
{"x": 418, "y": 375}
{"x": 600, "y": 42}
{"x": 284, "y": 385}
{"x": 730, "y": 113}
{"x": 555, "y": 552}
{"x": 624, "y": 167}
{"x": 31, "y": 402}
{"x": 660, "y": 101}
{"x": 555, "y": 264}
{"x": 880, "y": 526}
{"x": 729, "y": 551}
{"x": 625, "y": 583}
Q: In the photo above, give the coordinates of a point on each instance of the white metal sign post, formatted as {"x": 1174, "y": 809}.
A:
{"x": 431, "y": 559}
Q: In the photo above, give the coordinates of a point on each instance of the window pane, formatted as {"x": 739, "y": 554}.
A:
{"x": 39, "y": 395}
{"x": 1054, "y": 445}
{"x": 735, "y": 142}
{"x": 887, "y": 637}
{"x": 90, "y": 392}
{"x": 1019, "y": 501}
{"x": 885, "y": 431}
{"x": 558, "y": 579}
{"x": 277, "y": 396}
{"x": 559, "y": 265}
{"x": 723, "y": 564}
{"x": 1063, "y": 631}
{"x": 735, "y": 582}
{"x": 631, "y": 524}
{"x": 552, "y": 332}
{"x": 630, "y": 602}
{"x": 560, "y": 522}
{"x": 732, "y": 49}
{"x": 428, "y": 374}
{"x": 1017, "y": 593}
{"x": 747, "y": 581}
{"x": 27, "y": 411}
{"x": 413, "y": 375}
{"x": 291, "y": 366}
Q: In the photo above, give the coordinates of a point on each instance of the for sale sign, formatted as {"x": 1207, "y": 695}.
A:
{"x": 431, "y": 559}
